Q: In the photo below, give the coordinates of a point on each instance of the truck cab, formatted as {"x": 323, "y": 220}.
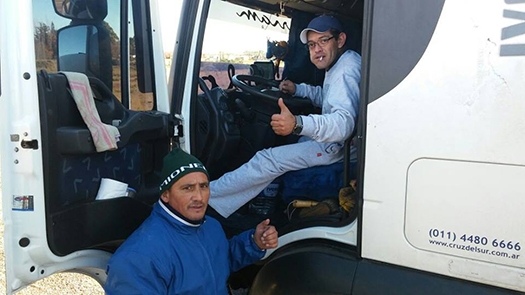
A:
{"x": 433, "y": 204}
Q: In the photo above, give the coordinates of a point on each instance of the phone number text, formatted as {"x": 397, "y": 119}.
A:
{"x": 437, "y": 233}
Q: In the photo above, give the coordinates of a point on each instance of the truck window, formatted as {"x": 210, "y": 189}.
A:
{"x": 125, "y": 86}
{"x": 227, "y": 25}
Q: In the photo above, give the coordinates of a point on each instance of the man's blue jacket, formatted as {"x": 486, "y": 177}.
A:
{"x": 167, "y": 255}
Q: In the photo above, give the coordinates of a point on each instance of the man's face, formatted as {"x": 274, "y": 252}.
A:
{"x": 189, "y": 195}
{"x": 323, "y": 48}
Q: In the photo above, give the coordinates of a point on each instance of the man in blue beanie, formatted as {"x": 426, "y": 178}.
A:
{"x": 179, "y": 250}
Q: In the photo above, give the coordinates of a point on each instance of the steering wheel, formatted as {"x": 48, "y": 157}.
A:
{"x": 268, "y": 89}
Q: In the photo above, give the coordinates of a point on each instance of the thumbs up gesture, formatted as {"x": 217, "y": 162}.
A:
{"x": 265, "y": 235}
{"x": 284, "y": 122}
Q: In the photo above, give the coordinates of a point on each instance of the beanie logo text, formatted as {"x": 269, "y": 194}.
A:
{"x": 180, "y": 170}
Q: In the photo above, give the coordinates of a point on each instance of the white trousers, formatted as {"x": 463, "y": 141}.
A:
{"x": 234, "y": 189}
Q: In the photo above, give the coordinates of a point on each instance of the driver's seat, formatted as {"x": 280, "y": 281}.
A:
{"x": 320, "y": 182}
{"x": 314, "y": 183}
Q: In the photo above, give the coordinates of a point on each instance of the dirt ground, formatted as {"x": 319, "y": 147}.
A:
{"x": 57, "y": 284}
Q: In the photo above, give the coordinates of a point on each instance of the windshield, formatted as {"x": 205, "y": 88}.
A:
{"x": 241, "y": 37}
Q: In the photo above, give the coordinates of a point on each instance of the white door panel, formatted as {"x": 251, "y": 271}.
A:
{"x": 20, "y": 121}
{"x": 463, "y": 104}
{"x": 459, "y": 196}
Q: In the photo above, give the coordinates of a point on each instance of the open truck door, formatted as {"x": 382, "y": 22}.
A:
{"x": 61, "y": 144}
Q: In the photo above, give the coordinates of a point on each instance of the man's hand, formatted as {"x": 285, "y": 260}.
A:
{"x": 287, "y": 86}
{"x": 265, "y": 235}
{"x": 283, "y": 123}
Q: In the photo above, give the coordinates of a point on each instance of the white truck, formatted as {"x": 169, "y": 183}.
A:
{"x": 440, "y": 201}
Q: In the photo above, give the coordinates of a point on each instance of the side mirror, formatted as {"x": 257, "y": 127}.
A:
{"x": 81, "y": 9}
{"x": 85, "y": 49}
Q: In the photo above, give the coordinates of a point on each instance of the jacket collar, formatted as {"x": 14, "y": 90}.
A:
{"x": 177, "y": 216}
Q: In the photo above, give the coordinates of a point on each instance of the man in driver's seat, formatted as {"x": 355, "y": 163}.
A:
{"x": 322, "y": 135}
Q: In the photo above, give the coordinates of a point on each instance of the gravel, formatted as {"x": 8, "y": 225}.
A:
{"x": 57, "y": 284}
